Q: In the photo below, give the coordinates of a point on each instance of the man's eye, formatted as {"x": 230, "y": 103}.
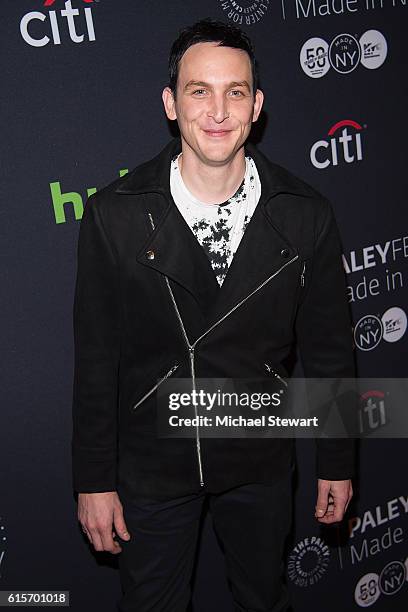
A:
{"x": 199, "y": 91}
{"x": 236, "y": 93}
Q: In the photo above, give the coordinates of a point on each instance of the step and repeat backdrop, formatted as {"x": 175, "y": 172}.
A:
{"x": 81, "y": 105}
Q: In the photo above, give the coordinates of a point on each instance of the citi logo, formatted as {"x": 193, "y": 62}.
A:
{"x": 372, "y": 413}
{"x": 50, "y": 2}
{"x": 343, "y": 145}
{"x": 53, "y": 23}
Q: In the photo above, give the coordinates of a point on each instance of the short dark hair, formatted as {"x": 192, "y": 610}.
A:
{"x": 209, "y": 30}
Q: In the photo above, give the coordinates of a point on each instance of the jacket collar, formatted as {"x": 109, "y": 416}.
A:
{"x": 154, "y": 175}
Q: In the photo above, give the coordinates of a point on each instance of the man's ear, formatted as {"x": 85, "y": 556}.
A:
{"x": 169, "y": 103}
{"x": 259, "y": 98}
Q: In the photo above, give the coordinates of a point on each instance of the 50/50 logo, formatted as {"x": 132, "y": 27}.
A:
{"x": 55, "y": 21}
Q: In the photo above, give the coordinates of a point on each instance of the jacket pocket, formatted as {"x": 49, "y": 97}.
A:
{"x": 301, "y": 287}
{"x": 305, "y": 267}
{"x": 154, "y": 387}
{"x": 302, "y": 276}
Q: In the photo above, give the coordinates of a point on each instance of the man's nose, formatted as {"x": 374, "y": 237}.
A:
{"x": 218, "y": 109}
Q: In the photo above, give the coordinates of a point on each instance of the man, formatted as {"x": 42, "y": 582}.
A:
{"x": 207, "y": 261}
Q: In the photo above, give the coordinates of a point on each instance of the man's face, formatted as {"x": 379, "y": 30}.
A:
{"x": 215, "y": 105}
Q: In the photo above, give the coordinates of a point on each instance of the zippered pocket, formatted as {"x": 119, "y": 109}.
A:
{"x": 302, "y": 275}
{"x": 153, "y": 389}
{"x": 304, "y": 278}
{"x": 270, "y": 370}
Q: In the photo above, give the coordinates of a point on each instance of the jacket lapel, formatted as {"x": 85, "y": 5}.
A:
{"x": 178, "y": 255}
{"x": 264, "y": 249}
{"x": 171, "y": 249}
{"x": 261, "y": 252}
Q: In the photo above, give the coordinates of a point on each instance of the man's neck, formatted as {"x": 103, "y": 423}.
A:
{"x": 212, "y": 184}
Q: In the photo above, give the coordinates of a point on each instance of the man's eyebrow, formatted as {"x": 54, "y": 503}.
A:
{"x": 204, "y": 84}
{"x": 196, "y": 84}
{"x": 240, "y": 84}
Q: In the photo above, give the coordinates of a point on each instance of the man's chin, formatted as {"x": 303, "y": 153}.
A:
{"x": 217, "y": 154}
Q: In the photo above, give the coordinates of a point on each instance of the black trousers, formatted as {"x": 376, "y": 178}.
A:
{"x": 251, "y": 521}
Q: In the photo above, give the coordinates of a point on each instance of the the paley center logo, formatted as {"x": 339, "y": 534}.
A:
{"x": 244, "y": 12}
{"x": 343, "y": 145}
{"x": 344, "y": 53}
{"x": 70, "y": 23}
{"x": 308, "y": 561}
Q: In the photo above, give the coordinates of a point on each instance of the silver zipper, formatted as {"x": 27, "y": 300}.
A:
{"x": 245, "y": 299}
{"x": 302, "y": 276}
{"x": 192, "y": 346}
{"x": 192, "y": 369}
{"x": 272, "y": 371}
{"x": 200, "y": 466}
{"x": 153, "y": 389}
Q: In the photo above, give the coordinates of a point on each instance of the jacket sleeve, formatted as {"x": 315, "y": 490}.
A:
{"x": 324, "y": 336}
{"x": 97, "y": 324}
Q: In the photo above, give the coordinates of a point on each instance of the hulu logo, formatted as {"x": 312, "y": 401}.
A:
{"x": 60, "y": 199}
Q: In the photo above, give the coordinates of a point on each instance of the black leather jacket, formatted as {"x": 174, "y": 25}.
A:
{"x": 148, "y": 306}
